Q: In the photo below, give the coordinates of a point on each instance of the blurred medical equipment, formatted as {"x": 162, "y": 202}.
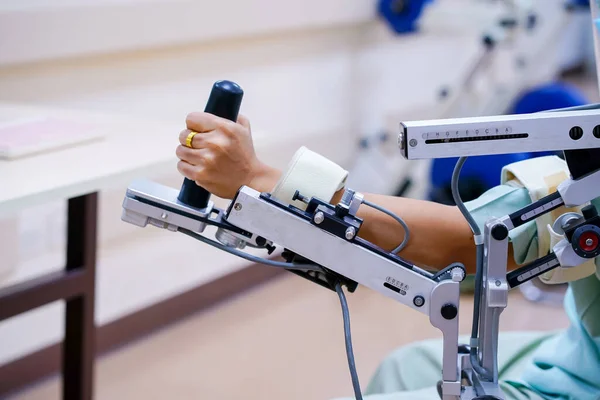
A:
{"x": 524, "y": 46}
{"x": 483, "y": 173}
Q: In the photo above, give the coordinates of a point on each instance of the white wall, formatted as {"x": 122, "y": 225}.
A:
{"x": 317, "y": 73}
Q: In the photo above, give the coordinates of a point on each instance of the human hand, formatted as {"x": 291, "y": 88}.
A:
{"x": 222, "y": 157}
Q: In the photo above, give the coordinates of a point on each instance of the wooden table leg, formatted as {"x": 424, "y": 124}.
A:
{"x": 79, "y": 341}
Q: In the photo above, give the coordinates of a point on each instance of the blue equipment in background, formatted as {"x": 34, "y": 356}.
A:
{"x": 401, "y": 15}
{"x": 482, "y": 173}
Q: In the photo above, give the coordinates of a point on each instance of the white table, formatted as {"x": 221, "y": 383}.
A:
{"x": 128, "y": 149}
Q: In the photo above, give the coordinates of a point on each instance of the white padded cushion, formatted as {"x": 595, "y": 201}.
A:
{"x": 311, "y": 174}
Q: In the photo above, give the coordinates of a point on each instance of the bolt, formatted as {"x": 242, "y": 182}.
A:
{"x": 449, "y": 311}
{"x": 419, "y": 301}
{"x": 350, "y": 233}
{"x": 413, "y": 142}
{"x": 237, "y": 206}
{"x": 298, "y": 196}
{"x": 499, "y": 232}
{"x": 498, "y": 283}
{"x": 457, "y": 274}
{"x": 444, "y": 92}
{"x": 401, "y": 140}
{"x": 589, "y": 242}
{"x": 319, "y": 217}
{"x": 164, "y": 215}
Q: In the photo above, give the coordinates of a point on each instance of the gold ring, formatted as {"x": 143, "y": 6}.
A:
{"x": 190, "y": 137}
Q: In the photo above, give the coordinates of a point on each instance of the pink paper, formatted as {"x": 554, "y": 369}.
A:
{"x": 45, "y": 130}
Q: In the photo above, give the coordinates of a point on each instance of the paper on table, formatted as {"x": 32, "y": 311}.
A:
{"x": 26, "y": 137}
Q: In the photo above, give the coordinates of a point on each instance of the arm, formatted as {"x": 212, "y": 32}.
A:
{"x": 223, "y": 159}
{"x": 440, "y": 234}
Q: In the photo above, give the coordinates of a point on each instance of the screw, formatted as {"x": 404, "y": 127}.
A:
{"x": 499, "y": 232}
{"x": 319, "y": 217}
{"x": 589, "y": 242}
{"x": 401, "y": 140}
{"x": 419, "y": 301}
{"x": 164, "y": 215}
{"x": 350, "y": 233}
{"x": 457, "y": 275}
{"x": 298, "y": 196}
{"x": 449, "y": 311}
{"x": 413, "y": 142}
{"x": 444, "y": 92}
{"x": 237, "y": 206}
{"x": 498, "y": 283}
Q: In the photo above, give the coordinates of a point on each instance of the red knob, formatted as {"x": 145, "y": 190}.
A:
{"x": 589, "y": 241}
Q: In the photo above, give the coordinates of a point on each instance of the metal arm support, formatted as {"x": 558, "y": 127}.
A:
{"x": 567, "y": 253}
{"x": 257, "y": 218}
{"x": 504, "y": 134}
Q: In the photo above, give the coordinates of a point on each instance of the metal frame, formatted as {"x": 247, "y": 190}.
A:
{"x": 476, "y": 136}
{"x": 76, "y": 285}
{"x": 494, "y": 298}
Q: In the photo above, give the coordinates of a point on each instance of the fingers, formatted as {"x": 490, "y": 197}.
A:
{"x": 196, "y": 173}
{"x": 192, "y": 156}
{"x": 245, "y": 122}
{"x": 187, "y": 170}
{"x": 184, "y": 153}
{"x": 202, "y": 122}
{"x": 203, "y": 157}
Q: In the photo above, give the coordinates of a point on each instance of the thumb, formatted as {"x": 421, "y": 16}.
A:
{"x": 245, "y": 122}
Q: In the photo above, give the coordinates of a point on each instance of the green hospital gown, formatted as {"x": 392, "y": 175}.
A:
{"x": 532, "y": 365}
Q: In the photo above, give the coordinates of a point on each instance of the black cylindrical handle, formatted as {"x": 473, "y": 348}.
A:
{"x": 224, "y": 101}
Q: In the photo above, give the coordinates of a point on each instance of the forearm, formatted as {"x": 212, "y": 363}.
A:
{"x": 439, "y": 234}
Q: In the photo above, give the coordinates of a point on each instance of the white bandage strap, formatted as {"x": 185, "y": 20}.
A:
{"x": 312, "y": 175}
{"x": 541, "y": 176}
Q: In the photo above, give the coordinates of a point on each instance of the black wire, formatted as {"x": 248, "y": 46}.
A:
{"x": 348, "y": 340}
{"x": 384, "y": 210}
{"x": 250, "y": 257}
{"x": 478, "y": 271}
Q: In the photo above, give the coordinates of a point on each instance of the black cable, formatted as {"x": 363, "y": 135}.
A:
{"x": 397, "y": 218}
{"x": 305, "y": 267}
{"x": 250, "y": 257}
{"x": 348, "y": 340}
{"x": 479, "y": 267}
